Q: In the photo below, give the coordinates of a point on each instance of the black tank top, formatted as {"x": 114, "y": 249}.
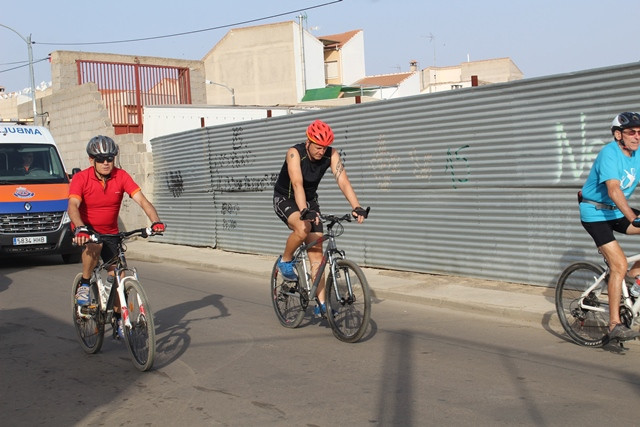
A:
{"x": 312, "y": 173}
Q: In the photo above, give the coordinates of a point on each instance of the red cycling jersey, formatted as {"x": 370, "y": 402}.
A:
{"x": 101, "y": 200}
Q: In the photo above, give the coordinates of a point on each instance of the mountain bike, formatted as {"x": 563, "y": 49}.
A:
{"x": 134, "y": 310}
{"x": 348, "y": 305}
{"x": 582, "y": 302}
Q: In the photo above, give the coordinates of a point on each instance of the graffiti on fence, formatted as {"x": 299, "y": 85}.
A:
{"x": 421, "y": 165}
{"x": 457, "y": 166}
{"x": 574, "y": 159}
{"x": 229, "y": 209}
{"x": 384, "y": 164}
{"x": 175, "y": 184}
{"x": 239, "y": 156}
{"x": 232, "y": 184}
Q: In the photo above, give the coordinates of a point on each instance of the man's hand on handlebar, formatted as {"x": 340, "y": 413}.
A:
{"x": 307, "y": 214}
{"x": 360, "y": 213}
{"x": 636, "y": 222}
{"x": 158, "y": 227}
{"x": 81, "y": 235}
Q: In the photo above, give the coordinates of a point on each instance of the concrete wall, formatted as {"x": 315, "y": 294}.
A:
{"x": 160, "y": 120}
{"x": 313, "y": 65}
{"x": 491, "y": 70}
{"x": 64, "y": 71}
{"x": 263, "y": 65}
{"x": 438, "y": 79}
{"x": 352, "y": 56}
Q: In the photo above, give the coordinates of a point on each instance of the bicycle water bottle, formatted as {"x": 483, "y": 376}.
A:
{"x": 635, "y": 289}
{"x": 106, "y": 288}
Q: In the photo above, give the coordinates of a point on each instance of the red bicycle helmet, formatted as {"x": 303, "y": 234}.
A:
{"x": 320, "y": 133}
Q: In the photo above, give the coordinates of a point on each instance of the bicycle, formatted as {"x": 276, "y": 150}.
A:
{"x": 347, "y": 290}
{"x": 582, "y": 302}
{"x": 136, "y": 315}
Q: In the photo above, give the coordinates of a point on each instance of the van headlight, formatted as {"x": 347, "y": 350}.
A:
{"x": 65, "y": 218}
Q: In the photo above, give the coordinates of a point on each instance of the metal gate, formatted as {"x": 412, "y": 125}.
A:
{"x": 127, "y": 88}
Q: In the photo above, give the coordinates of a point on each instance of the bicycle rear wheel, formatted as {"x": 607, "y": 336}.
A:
{"x": 141, "y": 336}
{"x": 587, "y": 327}
{"x": 286, "y": 299}
{"x": 88, "y": 320}
{"x": 348, "y": 312}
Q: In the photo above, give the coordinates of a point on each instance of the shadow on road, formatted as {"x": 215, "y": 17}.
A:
{"x": 172, "y": 327}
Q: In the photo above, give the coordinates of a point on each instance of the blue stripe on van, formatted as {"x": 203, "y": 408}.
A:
{"x": 42, "y": 206}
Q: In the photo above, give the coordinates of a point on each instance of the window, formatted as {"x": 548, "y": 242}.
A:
{"x": 456, "y": 87}
{"x": 331, "y": 70}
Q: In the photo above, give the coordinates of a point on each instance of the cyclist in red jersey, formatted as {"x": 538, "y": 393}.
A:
{"x": 95, "y": 196}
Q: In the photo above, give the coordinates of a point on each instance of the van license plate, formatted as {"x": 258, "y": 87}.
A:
{"x": 32, "y": 240}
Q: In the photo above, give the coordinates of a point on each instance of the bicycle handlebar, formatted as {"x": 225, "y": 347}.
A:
{"x": 346, "y": 217}
{"x": 142, "y": 232}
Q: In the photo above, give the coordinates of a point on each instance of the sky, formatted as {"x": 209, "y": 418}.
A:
{"x": 542, "y": 37}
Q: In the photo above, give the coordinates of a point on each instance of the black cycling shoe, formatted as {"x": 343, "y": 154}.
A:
{"x": 621, "y": 333}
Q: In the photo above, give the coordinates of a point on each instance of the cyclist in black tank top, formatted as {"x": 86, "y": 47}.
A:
{"x": 312, "y": 173}
{"x": 295, "y": 191}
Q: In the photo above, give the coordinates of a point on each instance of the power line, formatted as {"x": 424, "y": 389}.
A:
{"x": 22, "y": 66}
{"x": 195, "y": 31}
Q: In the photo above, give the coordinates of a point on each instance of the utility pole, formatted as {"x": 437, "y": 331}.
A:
{"x": 27, "y": 40}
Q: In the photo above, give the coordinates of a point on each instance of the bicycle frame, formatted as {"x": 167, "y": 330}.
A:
{"x": 120, "y": 278}
{"x": 328, "y": 257}
{"x": 134, "y": 314}
{"x": 633, "y": 307}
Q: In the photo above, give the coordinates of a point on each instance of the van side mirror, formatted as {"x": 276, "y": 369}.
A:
{"x": 73, "y": 172}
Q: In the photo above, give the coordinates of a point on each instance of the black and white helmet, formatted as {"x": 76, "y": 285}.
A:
{"x": 102, "y": 146}
{"x": 625, "y": 120}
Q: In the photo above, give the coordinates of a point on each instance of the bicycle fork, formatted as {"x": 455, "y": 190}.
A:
{"x": 336, "y": 273}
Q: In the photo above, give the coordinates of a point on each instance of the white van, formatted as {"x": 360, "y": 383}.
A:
{"x": 34, "y": 191}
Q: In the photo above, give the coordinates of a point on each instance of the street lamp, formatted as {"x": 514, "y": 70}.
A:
{"x": 230, "y": 89}
{"x": 27, "y": 40}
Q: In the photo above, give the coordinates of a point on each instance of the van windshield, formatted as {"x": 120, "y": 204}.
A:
{"x": 30, "y": 163}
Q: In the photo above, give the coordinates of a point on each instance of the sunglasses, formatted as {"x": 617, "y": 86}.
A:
{"x": 102, "y": 159}
{"x": 631, "y": 132}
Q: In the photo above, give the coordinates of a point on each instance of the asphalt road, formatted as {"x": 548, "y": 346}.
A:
{"x": 223, "y": 359}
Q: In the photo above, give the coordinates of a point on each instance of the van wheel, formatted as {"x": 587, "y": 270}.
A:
{"x": 72, "y": 258}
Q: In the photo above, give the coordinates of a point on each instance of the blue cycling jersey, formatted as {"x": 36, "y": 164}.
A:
{"x": 611, "y": 163}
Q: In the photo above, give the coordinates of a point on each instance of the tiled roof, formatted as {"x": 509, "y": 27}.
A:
{"x": 338, "y": 40}
{"x": 383, "y": 79}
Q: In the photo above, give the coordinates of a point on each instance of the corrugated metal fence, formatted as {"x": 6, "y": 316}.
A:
{"x": 477, "y": 182}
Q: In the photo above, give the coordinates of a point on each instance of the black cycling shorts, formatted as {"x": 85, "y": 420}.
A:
{"x": 602, "y": 231}
{"x": 285, "y": 207}
{"x": 109, "y": 250}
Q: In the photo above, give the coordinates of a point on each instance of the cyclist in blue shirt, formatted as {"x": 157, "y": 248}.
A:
{"x": 604, "y": 208}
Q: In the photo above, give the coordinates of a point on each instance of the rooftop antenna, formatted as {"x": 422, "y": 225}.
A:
{"x": 431, "y": 38}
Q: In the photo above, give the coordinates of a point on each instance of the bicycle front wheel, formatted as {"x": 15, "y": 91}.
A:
{"x": 586, "y": 319}
{"x": 286, "y": 299}
{"x": 141, "y": 336}
{"x": 348, "y": 302}
{"x": 88, "y": 320}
